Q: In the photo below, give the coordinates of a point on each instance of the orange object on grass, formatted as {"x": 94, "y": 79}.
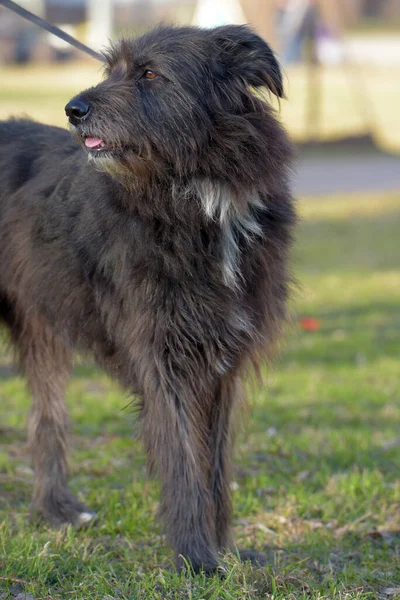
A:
{"x": 310, "y": 324}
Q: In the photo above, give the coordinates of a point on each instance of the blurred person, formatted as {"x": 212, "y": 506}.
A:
{"x": 296, "y": 22}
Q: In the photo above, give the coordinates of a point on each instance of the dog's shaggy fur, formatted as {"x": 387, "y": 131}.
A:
{"x": 164, "y": 254}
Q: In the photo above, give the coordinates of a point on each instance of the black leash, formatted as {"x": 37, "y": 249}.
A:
{"x": 26, "y": 14}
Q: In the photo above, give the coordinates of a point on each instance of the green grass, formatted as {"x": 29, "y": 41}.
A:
{"x": 353, "y": 99}
{"x": 317, "y": 472}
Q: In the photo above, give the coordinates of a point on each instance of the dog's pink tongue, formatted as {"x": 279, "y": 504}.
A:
{"x": 93, "y": 142}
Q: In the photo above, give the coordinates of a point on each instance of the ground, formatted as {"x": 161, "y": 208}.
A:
{"x": 316, "y": 484}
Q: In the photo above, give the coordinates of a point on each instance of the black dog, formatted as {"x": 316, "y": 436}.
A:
{"x": 157, "y": 240}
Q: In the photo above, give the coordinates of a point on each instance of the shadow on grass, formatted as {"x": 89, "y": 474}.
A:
{"x": 330, "y": 438}
{"x": 358, "y": 243}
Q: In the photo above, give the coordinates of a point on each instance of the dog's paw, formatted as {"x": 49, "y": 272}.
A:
{"x": 206, "y": 567}
{"x": 63, "y": 510}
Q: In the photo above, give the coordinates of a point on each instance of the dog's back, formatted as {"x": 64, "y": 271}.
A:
{"x": 29, "y": 150}
{"x": 38, "y": 164}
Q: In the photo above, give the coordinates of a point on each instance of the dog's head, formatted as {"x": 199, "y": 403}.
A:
{"x": 178, "y": 100}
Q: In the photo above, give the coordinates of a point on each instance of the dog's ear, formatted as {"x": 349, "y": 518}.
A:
{"x": 249, "y": 57}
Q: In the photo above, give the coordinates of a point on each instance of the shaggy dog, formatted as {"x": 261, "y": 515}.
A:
{"x": 155, "y": 238}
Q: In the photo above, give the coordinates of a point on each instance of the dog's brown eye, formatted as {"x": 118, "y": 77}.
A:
{"x": 150, "y": 74}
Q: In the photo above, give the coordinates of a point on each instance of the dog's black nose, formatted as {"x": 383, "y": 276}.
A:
{"x": 76, "y": 110}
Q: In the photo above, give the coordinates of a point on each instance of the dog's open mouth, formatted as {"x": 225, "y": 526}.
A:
{"x": 95, "y": 144}
{"x": 96, "y": 147}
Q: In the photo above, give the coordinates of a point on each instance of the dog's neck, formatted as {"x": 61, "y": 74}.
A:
{"x": 217, "y": 201}
{"x": 200, "y": 203}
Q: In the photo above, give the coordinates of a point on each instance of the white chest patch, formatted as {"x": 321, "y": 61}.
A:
{"x": 218, "y": 203}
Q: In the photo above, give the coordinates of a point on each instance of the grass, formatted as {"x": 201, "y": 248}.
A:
{"x": 317, "y": 472}
{"x": 353, "y": 99}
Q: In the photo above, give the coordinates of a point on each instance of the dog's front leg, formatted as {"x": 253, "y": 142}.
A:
{"x": 176, "y": 431}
